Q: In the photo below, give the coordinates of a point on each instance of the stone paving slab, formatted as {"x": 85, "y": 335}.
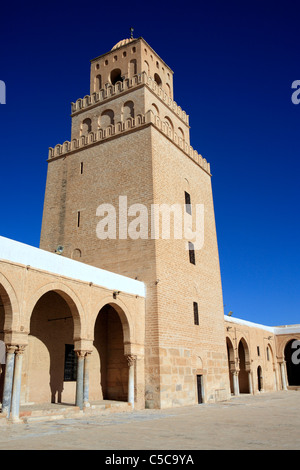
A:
{"x": 268, "y": 421}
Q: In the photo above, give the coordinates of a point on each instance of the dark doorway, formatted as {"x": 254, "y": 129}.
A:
{"x": 259, "y": 379}
{"x": 109, "y": 342}
{"x": 243, "y": 374}
{"x": 291, "y": 354}
{"x": 199, "y": 389}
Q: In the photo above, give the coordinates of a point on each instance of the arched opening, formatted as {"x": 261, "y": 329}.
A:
{"x": 243, "y": 374}
{"x": 168, "y": 90}
{"x": 128, "y": 110}
{"x": 132, "y": 68}
{"x": 230, "y": 356}
{"x": 76, "y": 253}
{"x": 259, "y": 379}
{"x": 50, "y": 360}
{"x": 109, "y": 336}
{"x": 291, "y": 355}
{"x": 169, "y": 123}
{"x": 155, "y": 109}
{"x": 86, "y": 126}
{"x": 98, "y": 83}
{"x": 146, "y": 67}
{"x": 115, "y": 76}
{"x": 180, "y": 133}
{"x": 107, "y": 118}
{"x": 157, "y": 79}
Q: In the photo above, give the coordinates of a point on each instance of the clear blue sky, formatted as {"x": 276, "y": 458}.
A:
{"x": 233, "y": 62}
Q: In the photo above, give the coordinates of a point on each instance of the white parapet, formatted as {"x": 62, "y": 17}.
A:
{"x": 20, "y": 253}
{"x": 276, "y": 330}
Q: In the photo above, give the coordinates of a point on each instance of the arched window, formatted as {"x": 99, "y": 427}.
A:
{"x": 86, "y": 126}
{"x": 132, "y": 68}
{"x": 128, "y": 110}
{"x": 155, "y": 109}
{"x": 168, "y": 90}
{"x": 157, "y": 79}
{"x": 115, "y": 76}
{"x": 98, "y": 84}
{"x": 180, "y": 133}
{"x": 76, "y": 254}
{"x": 169, "y": 123}
{"x": 107, "y": 118}
{"x": 146, "y": 67}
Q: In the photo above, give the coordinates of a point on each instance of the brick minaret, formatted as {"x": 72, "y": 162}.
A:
{"x": 129, "y": 138}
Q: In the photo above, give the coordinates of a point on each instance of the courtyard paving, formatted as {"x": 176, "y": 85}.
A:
{"x": 269, "y": 421}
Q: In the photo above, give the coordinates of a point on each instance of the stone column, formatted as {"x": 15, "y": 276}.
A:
{"x": 131, "y": 364}
{"x": 79, "y": 382}
{"x": 283, "y": 375}
{"x": 236, "y": 387}
{"x": 275, "y": 379}
{"x": 16, "y": 390}
{"x": 86, "y": 379}
{"x": 8, "y": 380}
{"x": 250, "y": 382}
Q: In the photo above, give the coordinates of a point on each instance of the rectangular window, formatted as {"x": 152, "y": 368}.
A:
{"x": 70, "y": 369}
{"x": 196, "y": 315}
{"x": 188, "y": 206}
{"x": 192, "y": 253}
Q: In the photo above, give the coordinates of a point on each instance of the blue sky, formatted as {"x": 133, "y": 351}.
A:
{"x": 233, "y": 62}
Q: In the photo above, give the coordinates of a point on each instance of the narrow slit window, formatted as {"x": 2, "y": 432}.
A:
{"x": 196, "y": 315}
{"x": 258, "y": 351}
{"x": 188, "y": 207}
{"x": 78, "y": 219}
{"x": 81, "y": 168}
{"x": 192, "y": 253}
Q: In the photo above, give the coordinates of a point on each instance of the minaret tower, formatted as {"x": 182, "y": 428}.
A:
{"x": 130, "y": 145}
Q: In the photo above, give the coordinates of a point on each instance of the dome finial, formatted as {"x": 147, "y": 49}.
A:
{"x": 131, "y": 32}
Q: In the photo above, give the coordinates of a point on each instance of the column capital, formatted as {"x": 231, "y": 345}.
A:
{"x": 11, "y": 348}
{"x": 15, "y": 348}
{"x": 131, "y": 359}
{"x": 20, "y": 349}
{"x": 80, "y": 353}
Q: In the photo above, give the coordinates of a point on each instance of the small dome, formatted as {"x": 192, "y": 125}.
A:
{"x": 123, "y": 43}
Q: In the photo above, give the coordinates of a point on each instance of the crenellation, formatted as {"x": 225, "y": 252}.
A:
{"x": 111, "y": 91}
{"x": 120, "y": 127}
